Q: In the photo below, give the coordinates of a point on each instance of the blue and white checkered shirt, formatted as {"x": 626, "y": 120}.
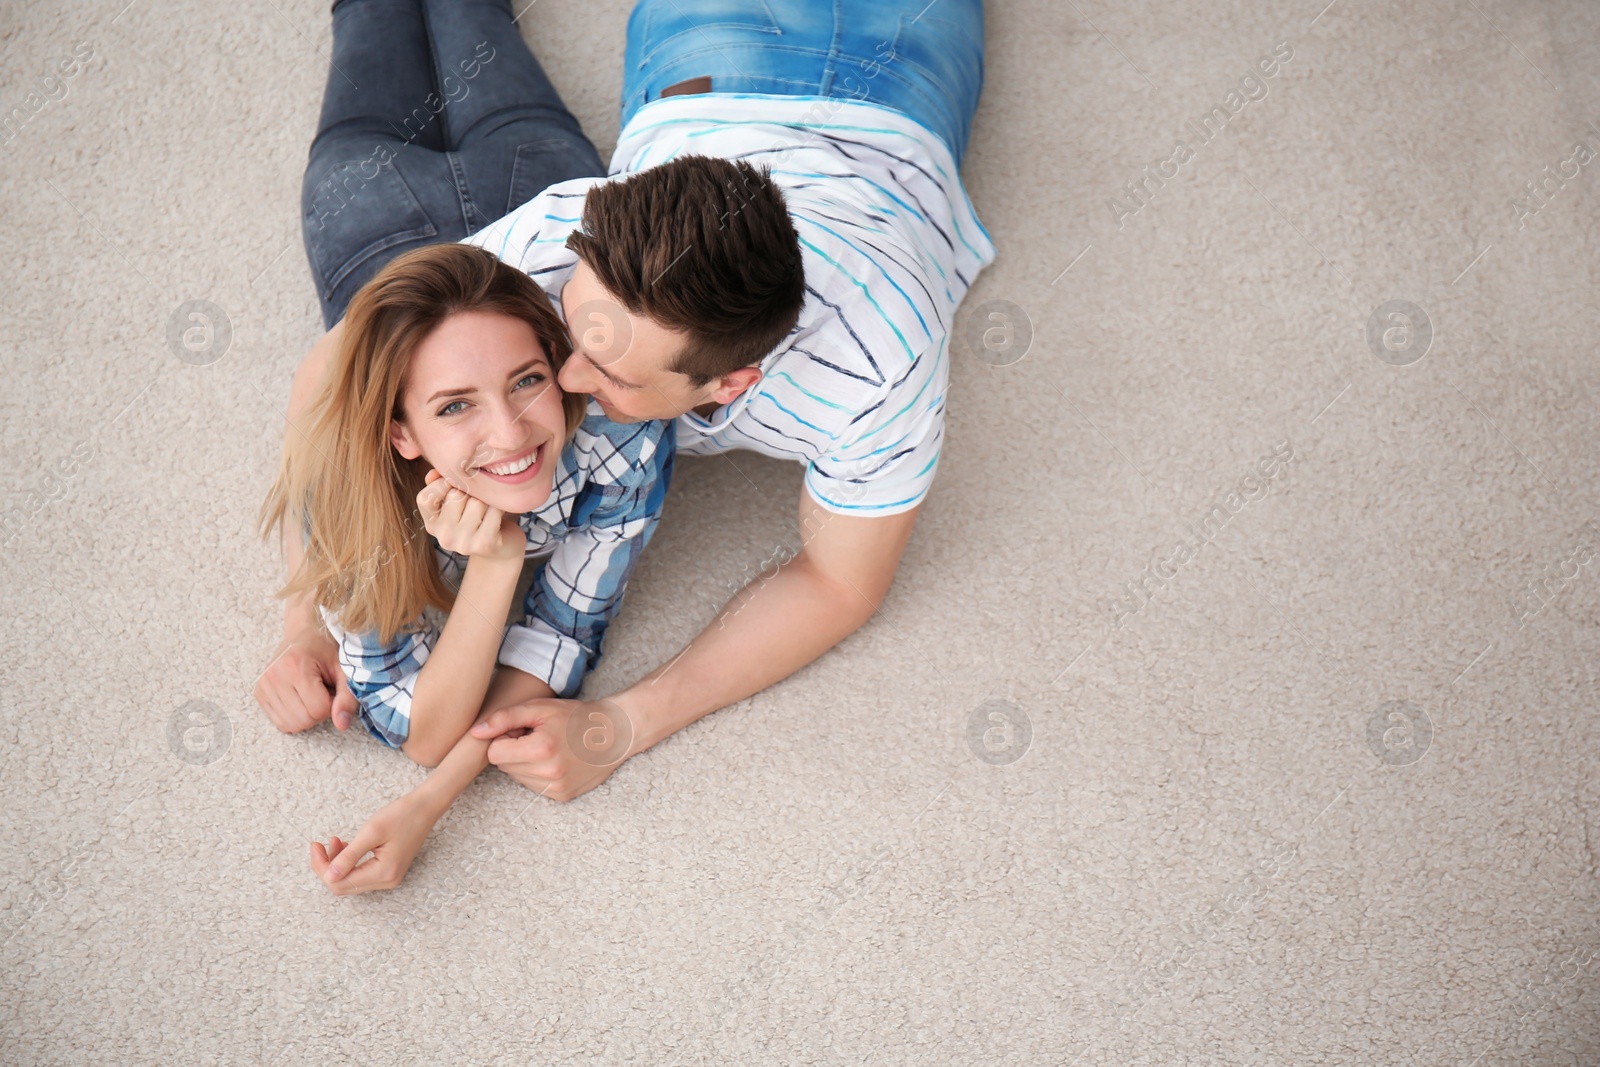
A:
{"x": 609, "y": 485}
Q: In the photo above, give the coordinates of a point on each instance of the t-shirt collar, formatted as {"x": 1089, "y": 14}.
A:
{"x": 725, "y": 415}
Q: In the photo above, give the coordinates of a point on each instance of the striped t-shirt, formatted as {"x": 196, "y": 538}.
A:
{"x": 605, "y": 500}
{"x": 890, "y": 245}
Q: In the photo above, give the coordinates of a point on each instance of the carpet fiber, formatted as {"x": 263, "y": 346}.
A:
{"x": 1235, "y": 703}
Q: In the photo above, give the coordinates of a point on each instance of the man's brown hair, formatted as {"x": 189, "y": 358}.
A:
{"x": 704, "y": 246}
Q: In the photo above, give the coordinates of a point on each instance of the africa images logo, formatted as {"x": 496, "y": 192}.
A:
{"x": 1255, "y": 484}
{"x": 46, "y": 90}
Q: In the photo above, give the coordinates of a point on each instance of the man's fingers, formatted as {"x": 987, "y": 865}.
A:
{"x": 531, "y": 757}
{"x": 323, "y": 854}
{"x": 503, "y": 719}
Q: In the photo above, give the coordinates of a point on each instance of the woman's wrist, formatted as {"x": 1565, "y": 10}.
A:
{"x": 300, "y": 617}
{"x": 454, "y": 773}
{"x": 506, "y": 563}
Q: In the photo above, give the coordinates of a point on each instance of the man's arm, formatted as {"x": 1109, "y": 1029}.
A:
{"x": 777, "y": 624}
{"x": 772, "y": 628}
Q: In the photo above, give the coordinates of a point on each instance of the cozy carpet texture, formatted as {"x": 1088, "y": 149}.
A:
{"x": 1300, "y": 642}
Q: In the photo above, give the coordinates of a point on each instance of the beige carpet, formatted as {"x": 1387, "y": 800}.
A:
{"x": 1307, "y": 771}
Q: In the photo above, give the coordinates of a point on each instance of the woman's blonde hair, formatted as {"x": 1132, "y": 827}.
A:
{"x": 368, "y": 558}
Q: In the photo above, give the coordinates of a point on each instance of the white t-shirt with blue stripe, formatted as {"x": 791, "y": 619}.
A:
{"x": 890, "y": 245}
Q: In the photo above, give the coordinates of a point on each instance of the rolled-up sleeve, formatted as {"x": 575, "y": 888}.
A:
{"x": 383, "y": 676}
{"x": 579, "y": 588}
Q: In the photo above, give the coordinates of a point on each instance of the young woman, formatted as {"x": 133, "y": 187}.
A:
{"x": 436, "y": 120}
{"x": 437, "y": 456}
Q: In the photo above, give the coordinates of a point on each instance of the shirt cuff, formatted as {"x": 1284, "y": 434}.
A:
{"x": 384, "y": 721}
{"x": 554, "y": 658}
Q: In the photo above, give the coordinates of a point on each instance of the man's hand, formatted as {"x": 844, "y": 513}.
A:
{"x": 558, "y": 748}
{"x": 394, "y": 836}
{"x": 304, "y": 685}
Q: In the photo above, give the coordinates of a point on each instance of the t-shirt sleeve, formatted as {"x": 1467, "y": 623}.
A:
{"x": 883, "y": 461}
{"x": 579, "y": 588}
{"x": 382, "y": 676}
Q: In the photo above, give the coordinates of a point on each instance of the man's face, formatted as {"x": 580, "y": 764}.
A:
{"x": 623, "y": 360}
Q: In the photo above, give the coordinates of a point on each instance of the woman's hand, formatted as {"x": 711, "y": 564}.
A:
{"x": 304, "y": 684}
{"x": 465, "y": 525}
{"x": 394, "y": 836}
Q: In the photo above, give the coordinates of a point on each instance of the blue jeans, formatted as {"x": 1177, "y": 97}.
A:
{"x": 436, "y": 121}
{"x": 921, "y": 58}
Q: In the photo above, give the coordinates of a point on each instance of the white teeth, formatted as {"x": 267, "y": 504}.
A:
{"x": 515, "y": 466}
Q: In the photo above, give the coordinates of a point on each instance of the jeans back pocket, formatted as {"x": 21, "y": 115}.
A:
{"x": 359, "y": 209}
{"x": 540, "y": 164}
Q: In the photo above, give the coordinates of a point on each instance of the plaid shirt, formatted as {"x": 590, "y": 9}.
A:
{"x": 609, "y": 485}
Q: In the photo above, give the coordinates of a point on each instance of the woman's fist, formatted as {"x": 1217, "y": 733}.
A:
{"x": 465, "y": 525}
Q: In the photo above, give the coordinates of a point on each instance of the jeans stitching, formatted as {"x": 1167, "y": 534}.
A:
{"x": 519, "y": 160}
{"x": 437, "y": 79}
{"x": 830, "y": 65}
{"x": 935, "y": 77}
{"x": 355, "y": 259}
{"x": 469, "y": 207}
{"x": 772, "y": 28}
{"x": 386, "y": 241}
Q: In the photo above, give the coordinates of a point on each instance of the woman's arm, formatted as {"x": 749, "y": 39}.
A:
{"x": 470, "y": 755}
{"x": 302, "y": 684}
{"x": 454, "y": 680}
{"x": 396, "y": 833}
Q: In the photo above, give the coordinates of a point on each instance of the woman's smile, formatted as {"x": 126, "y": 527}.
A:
{"x": 478, "y": 384}
{"x": 517, "y": 469}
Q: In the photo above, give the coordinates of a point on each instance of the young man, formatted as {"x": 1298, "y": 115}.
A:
{"x": 775, "y": 261}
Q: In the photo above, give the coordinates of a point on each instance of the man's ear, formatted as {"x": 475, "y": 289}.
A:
{"x": 729, "y": 386}
{"x": 400, "y": 437}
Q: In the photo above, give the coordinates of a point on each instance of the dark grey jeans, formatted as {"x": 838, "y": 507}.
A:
{"x": 436, "y": 121}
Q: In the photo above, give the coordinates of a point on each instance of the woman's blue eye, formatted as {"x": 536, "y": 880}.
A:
{"x": 536, "y": 376}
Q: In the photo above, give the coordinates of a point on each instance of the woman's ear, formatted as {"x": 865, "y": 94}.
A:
{"x": 400, "y": 437}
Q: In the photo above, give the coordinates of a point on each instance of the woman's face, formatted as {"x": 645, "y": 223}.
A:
{"x": 482, "y": 407}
